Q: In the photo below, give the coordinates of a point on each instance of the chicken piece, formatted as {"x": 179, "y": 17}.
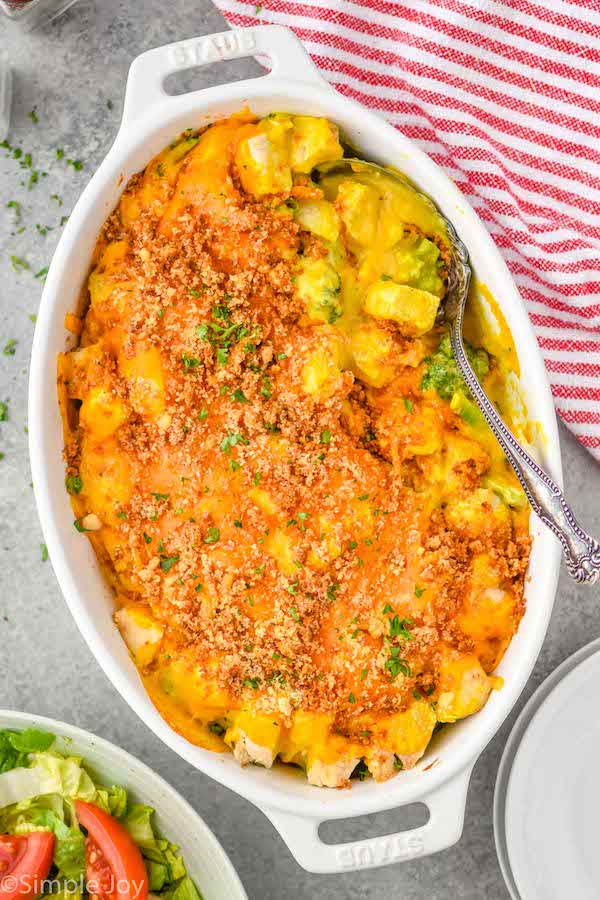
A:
{"x": 335, "y": 774}
{"x": 246, "y": 751}
{"x": 381, "y": 764}
{"x": 141, "y": 633}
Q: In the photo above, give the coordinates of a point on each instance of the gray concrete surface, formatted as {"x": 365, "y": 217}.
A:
{"x": 73, "y": 74}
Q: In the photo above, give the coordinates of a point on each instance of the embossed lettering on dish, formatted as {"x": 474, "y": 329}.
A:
{"x": 211, "y": 49}
{"x": 394, "y": 848}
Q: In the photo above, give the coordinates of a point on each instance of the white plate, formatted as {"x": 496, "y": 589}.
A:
{"x": 510, "y": 749}
{"x": 205, "y": 859}
{"x": 553, "y": 793}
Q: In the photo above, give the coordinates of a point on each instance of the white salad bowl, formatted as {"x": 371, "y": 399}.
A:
{"x": 207, "y": 863}
{"x": 151, "y": 120}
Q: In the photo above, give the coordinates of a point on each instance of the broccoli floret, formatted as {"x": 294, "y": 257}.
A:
{"x": 442, "y": 372}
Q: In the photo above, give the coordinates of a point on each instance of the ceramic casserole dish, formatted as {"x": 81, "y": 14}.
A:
{"x": 151, "y": 120}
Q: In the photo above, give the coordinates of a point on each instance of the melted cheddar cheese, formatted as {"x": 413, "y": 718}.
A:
{"x": 317, "y": 547}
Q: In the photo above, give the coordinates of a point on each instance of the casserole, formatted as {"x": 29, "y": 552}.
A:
{"x": 151, "y": 119}
{"x": 209, "y": 865}
{"x": 316, "y": 544}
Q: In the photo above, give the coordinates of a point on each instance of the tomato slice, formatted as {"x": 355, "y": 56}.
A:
{"x": 25, "y": 861}
{"x": 114, "y": 868}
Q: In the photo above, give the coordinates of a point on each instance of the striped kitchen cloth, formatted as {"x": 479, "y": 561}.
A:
{"x": 505, "y": 96}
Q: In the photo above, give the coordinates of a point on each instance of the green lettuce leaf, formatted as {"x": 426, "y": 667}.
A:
{"x": 185, "y": 889}
{"x": 138, "y": 823}
{"x": 15, "y": 746}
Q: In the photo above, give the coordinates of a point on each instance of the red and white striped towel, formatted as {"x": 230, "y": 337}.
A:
{"x": 505, "y": 96}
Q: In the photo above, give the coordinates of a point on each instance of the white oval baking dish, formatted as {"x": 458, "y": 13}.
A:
{"x": 151, "y": 119}
{"x": 206, "y": 861}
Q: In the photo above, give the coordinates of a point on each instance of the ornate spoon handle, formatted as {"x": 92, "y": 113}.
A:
{"x": 582, "y": 552}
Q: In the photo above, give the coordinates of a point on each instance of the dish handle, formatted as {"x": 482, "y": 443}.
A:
{"x": 287, "y": 57}
{"x": 446, "y": 818}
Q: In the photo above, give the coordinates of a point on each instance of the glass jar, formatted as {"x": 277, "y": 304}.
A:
{"x": 29, "y": 14}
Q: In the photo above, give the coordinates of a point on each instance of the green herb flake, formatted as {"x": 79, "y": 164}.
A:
{"x": 73, "y": 483}
{"x": 168, "y": 563}
{"x": 10, "y": 348}
{"x": 212, "y": 535}
{"x": 18, "y": 264}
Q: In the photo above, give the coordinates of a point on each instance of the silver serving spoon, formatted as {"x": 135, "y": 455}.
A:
{"x": 582, "y": 552}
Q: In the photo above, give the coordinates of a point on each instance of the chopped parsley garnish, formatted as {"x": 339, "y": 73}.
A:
{"x": 168, "y": 562}
{"x": 73, "y": 483}
{"x": 238, "y": 523}
{"x": 10, "y": 348}
{"x": 325, "y": 436}
{"x": 293, "y": 587}
{"x": 294, "y": 614}
{"x": 202, "y": 414}
{"x": 408, "y": 404}
{"x": 239, "y": 395}
{"x": 121, "y": 514}
{"x": 147, "y": 538}
{"x": 401, "y": 628}
{"x": 388, "y": 608}
{"x": 266, "y": 390}
{"x": 18, "y": 264}
{"x": 331, "y": 591}
{"x": 364, "y": 497}
{"x": 193, "y": 293}
{"x": 363, "y": 674}
{"x": 256, "y": 479}
{"x": 221, "y": 332}
{"x": 352, "y": 545}
{"x": 212, "y": 535}
{"x": 351, "y": 698}
{"x": 395, "y": 665}
{"x": 419, "y": 591}
{"x": 158, "y": 496}
{"x": 251, "y": 682}
{"x": 303, "y": 516}
{"x": 189, "y": 362}
{"x": 232, "y": 440}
